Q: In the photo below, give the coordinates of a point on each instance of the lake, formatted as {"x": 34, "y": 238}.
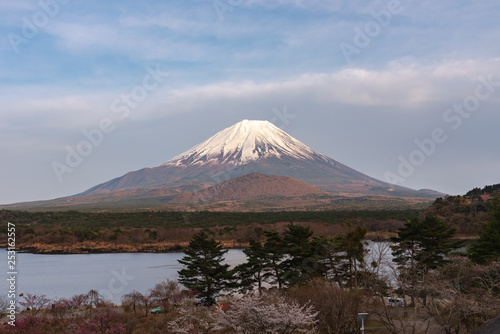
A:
{"x": 113, "y": 275}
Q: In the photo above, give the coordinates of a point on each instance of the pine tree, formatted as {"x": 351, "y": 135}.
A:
{"x": 487, "y": 247}
{"x": 340, "y": 258}
{"x": 329, "y": 259}
{"x": 299, "y": 265}
{"x": 253, "y": 272}
{"x": 204, "y": 273}
{"x": 406, "y": 244}
{"x": 274, "y": 248}
{"x": 404, "y": 251}
{"x": 421, "y": 245}
{"x": 353, "y": 245}
{"x": 435, "y": 241}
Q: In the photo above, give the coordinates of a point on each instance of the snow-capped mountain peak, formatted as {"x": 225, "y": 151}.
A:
{"x": 244, "y": 142}
{"x": 245, "y": 148}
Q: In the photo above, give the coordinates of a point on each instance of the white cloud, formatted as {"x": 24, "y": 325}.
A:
{"x": 54, "y": 107}
{"x": 403, "y": 85}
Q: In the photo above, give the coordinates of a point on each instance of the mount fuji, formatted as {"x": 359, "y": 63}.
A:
{"x": 250, "y": 147}
{"x": 252, "y": 165}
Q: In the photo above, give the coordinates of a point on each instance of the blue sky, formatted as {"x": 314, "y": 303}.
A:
{"x": 362, "y": 82}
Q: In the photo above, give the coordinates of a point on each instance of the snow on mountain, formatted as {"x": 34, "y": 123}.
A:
{"x": 244, "y": 142}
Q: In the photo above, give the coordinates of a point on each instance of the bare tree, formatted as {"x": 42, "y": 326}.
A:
{"x": 93, "y": 300}
{"x": 397, "y": 319}
{"x": 337, "y": 308}
{"x": 136, "y": 302}
{"x": 60, "y": 309}
{"x": 463, "y": 295}
{"x": 131, "y": 302}
{"x": 168, "y": 293}
{"x": 147, "y": 304}
{"x": 78, "y": 303}
{"x": 379, "y": 259}
{"x": 34, "y": 304}
{"x": 4, "y": 303}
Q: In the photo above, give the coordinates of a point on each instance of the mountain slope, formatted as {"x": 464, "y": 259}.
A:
{"x": 250, "y": 186}
{"x": 253, "y": 147}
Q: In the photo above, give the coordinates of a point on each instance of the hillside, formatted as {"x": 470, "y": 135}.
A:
{"x": 250, "y": 186}
{"x": 467, "y": 212}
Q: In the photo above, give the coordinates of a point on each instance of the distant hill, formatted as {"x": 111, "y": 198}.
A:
{"x": 487, "y": 190}
{"x": 250, "y": 186}
{"x": 466, "y": 212}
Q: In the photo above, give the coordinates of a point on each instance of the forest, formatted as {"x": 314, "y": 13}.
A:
{"x": 87, "y": 232}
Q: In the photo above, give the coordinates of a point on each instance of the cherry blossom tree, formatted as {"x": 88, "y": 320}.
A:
{"x": 248, "y": 314}
{"x": 267, "y": 314}
{"x": 195, "y": 319}
{"x": 25, "y": 325}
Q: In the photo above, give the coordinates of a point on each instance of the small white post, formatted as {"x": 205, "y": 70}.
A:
{"x": 362, "y": 317}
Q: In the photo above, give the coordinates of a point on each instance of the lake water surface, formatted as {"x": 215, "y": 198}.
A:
{"x": 113, "y": 275}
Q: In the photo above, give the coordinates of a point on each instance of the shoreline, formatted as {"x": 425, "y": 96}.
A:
{"x": 93, "y": 247}
{"x": 106, "y": 248}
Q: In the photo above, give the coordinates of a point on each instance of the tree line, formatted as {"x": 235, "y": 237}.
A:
{"x": 280, "y": 262}
{"x": 425, "y": 255}
{"x": 81, "y": 219}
